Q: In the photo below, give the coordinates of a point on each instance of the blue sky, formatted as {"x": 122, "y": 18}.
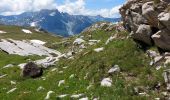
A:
{"x": 105, "y": 8}
{"x": 98, "y": 4}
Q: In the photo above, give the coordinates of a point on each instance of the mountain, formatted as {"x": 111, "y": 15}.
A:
{"x": 54, "y": 21}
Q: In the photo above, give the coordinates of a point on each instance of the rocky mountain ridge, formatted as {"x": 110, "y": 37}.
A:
{"x": 54, "y": 21}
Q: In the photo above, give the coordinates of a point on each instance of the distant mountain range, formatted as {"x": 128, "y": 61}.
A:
{"x": 54, "y": 21}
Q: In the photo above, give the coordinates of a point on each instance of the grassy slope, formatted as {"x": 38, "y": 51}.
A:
{"x": 15, "y": 32}
{"x": 92, "y": 65}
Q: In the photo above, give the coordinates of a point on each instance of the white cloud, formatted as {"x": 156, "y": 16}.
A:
{"x": 78, "y": 8}
{"x": 10, "y": 7}
{"x": 13, "y": 7}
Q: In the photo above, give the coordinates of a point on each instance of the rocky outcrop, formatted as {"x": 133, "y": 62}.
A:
{"x": 147, "y": 21}
{"x": 26, "y": 48}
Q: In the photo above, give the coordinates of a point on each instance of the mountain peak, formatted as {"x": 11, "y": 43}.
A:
{"x": 54, "y": 21}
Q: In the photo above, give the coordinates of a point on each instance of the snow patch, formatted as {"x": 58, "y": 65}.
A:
{"x": 26, "y": 31}
{"x": 38, "y": 42}
{"x": 33, "y": 24}
{"x": 52, "y": 14}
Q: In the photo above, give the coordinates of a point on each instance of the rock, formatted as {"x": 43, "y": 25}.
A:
{"x": 150, "y": 13}
{"x": 167, "y": 1}
{"x": 48, "y": 95}
{"x": 164, "y": 93}
{"x": 82, "y": 46}
{"x": 54, "y": 69}
{"x": 158, "y": 67}
{"x": 8, "y": 66}
{"x": 143, "y": 94}
{"x": 62, "y": 96}
{"x": 78, "y": 41}
{"x": 106, "y": 82}
{"x": 2, "y": 32}
{"x": 96, "y": 98}
{"x": 95, "y": 41}
{"x": 143, "y": 34}
{"x": 89, "y": 86}
{"x": 164, "y": 19}
{"x": 166, "y": 76}
{"x": 72, "y": 76}
{"x": 75, "y": 96}
{"x": 22, "y": 65}
{"x": 158, "y": 60}
{"x": 48, "y": 61}
{"x": 12, "y": 90}
{"x": 26, "y": 48}
{"x": 152, "y": 54}
{"x": 61, "y": 82}
{"x": 31, "y": 70}
{"x": 1, "y": 76}
{"x": 86, "y": 98}
{"x": 40, "y": 88}
{"x": 157, "y": 99}
{"x": 13, "y": 83}
{"x": 110, "y": 39}
{"x": 43, "y": 78}
{"x": 99, "y": 49}
{"x": 162, "y": 39}
{"x": 114, "y": 69}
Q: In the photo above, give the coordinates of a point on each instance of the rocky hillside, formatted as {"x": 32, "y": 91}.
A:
{"x": 102, "y": 63}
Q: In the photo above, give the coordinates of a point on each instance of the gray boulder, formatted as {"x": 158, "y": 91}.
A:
{"x": 162, "y": 39}
{"x": 31, "y": 70}
{"x": 150, "y": 13}
{"x": 143, "y": 34}
{"x": 164, "y": 20}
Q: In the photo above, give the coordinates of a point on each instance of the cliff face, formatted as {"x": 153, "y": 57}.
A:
{"x": 148, "y": 21}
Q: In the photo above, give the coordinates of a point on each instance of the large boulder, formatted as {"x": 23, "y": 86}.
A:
{"x": 164, "y": 20}
{"x": 31, "y": 70}
{"x": 162, "y": 39}
{"x": 144, "y": 34}
{"x": 150, "y": 13}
